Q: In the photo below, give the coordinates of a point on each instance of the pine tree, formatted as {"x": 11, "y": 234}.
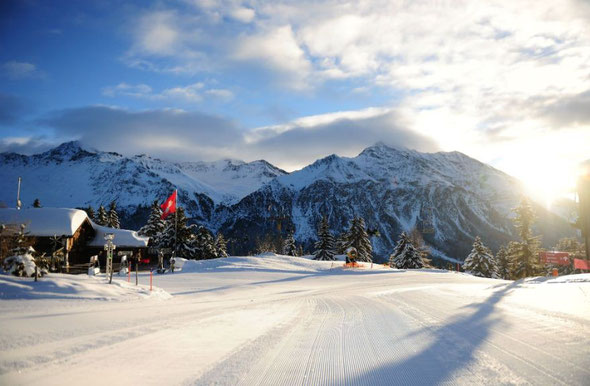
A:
{"x": 358, "y": 238}
{"x": 113, "y": 217}
{"x": 480, "y": 261}
{"x": 524, "y": 253}
{"x": 220, "y": 245}
{"x": 36, "y": 203}
{"x": 324, "y": 247}
{"x": 204, "y": 245}
{"x": 155, "y": 225}
{"x": 406, "y": 255}
{"x": 418, "y": 242}
{"x": 341, "y": 243}
{"x": 399, "y": 248}
{"x": 184, "y": 235}
{"x": 90, "y": 212}
{"x": 102, "y": 217}
{"x": 502, "y": 264}
{"x": 289, "y": 247}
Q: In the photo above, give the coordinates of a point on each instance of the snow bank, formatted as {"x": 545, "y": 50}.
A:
{"x": 262, "y": 262}
{"x": 74, "y": 287}
{"x": 270, "y": 262}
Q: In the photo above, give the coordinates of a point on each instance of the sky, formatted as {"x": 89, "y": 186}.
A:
{"x": 505, "y": 82}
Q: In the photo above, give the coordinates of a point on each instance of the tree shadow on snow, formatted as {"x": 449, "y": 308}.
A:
{"x": 453, "y": 348}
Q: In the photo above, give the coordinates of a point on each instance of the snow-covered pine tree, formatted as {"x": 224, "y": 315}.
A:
{"x": 91, "y": 214}
{"x": 155, "y": 225}
{"x": 480, "y": 261}
{"x": 409, "y": 258}
{"x": 524, "y": 254}
{"x": 289, "y": 247}
{"x": 418, "y": 242}
{"x": 204, "y": 245}
{"x": 358, "y": 238}
{"x": 102, "y": 218}
{"x": 341, "y": 243}
{"x": 324, "y": 247}
{"x": 184, "y": 238}
{"x": 405, "y": 255}
{"x": 21, "y": 261}
{"x": 502, "y": 264}
{"x": 36, "y": 203}
{"x": 399, "y": 247}
{"x": 220, "y": 245}
{"x": 113, "y": 217}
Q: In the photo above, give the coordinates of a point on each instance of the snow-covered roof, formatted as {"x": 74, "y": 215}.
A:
{"x": 45, "y": 222}
{"x": 123, "y": 237}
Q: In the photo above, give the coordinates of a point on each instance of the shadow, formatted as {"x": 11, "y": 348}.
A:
{"x": 453, "y": 348}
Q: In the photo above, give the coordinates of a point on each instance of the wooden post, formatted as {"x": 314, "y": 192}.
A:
{"x": 136, "y": 269}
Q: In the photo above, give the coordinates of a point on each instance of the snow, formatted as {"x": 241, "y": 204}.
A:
{"x": 274, "y": 319}
{"x": 45, "y": 222}
{"x": 123, "y": 237}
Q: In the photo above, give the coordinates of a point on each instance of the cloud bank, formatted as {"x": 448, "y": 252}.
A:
{"x": 182, "y": 135}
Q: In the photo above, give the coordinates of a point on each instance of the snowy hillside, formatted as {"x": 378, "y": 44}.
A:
{"x": 278, "y": 320}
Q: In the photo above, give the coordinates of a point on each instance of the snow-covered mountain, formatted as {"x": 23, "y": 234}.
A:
{"x": 450, "y": 197}
{"x": 73, "y": 176}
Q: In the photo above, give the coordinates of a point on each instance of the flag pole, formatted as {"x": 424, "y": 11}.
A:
{"x": 176, "y": 223}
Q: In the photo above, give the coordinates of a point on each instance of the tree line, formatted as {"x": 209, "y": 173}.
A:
{"x": 519, "y": 259}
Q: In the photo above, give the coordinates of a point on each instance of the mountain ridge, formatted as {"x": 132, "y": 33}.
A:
{"x": 394, "y": 189}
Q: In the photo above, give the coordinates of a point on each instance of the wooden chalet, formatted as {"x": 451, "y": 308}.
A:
{"x": 51, "y": 229}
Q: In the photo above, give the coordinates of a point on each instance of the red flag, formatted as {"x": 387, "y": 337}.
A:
{"x": 169, "y": 206}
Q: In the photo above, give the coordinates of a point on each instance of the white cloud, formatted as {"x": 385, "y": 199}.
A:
{"x": 157, "y": 34}
{"x": 20, "y": 70}
{"x": 222, "y": 94}
{"x": 179, "y": 135}
{"x": 192, "y": 93}
{"x": 279, "y": 50}
{"x": 243, "y": 14}
{"x": 138, "y": 91}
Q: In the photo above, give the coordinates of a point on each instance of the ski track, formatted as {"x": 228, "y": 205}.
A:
{"x": 351, "y": 339}
{"x": 386, "y": 329}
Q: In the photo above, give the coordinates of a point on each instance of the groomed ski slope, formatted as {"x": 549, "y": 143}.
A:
{"x": 276, "y": 320}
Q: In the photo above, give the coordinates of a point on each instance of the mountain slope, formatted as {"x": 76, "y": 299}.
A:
{"x": 449, "y": 197}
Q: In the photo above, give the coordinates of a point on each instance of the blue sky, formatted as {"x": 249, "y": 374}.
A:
{"x": 292, "y": 81}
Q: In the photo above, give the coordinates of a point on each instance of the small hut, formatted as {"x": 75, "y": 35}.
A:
{"x": 51, "y": 229}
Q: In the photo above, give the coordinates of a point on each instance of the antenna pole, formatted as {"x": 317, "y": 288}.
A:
{"x": 18, "y": 203}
